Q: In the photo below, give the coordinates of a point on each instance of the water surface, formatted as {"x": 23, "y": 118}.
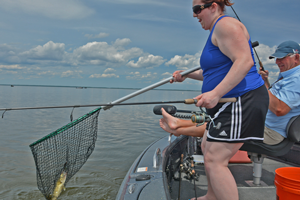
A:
{"x": 124, "y": 132}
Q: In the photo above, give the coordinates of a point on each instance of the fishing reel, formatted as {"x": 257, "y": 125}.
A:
{"x": 187, "y": 166}
{"x": 200, "y": 117}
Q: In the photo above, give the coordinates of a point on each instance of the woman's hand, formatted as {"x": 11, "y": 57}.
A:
{"x": 208, "y": 99}
{"x": 177, "y": 77}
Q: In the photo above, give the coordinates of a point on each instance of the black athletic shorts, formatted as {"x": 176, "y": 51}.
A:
{"x": 240, "y": 121}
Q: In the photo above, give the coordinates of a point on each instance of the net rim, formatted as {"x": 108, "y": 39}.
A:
{"x": 66, "y": 127}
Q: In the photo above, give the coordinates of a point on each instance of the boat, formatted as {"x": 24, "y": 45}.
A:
{"x": 164, "y": 170}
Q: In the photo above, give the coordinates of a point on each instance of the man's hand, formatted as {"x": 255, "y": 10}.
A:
{"x": 265, "y": 76}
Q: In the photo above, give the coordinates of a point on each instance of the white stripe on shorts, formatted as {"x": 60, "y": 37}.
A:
{"x": 236, "y": 119}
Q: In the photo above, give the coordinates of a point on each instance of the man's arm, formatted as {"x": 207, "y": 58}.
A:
{"x": 278, "y": 107}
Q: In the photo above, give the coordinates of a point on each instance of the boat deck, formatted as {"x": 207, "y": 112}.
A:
{"x": 243, "y": 176}
{"x": 154, "y": 174}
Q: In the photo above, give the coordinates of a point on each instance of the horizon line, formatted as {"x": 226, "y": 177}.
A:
{"x": 86, "y": 87}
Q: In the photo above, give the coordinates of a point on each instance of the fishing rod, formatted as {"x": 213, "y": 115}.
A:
{"x": 260, "y": 63}
{"x": 186, "y": 101}
{"x": 180, "y": 171}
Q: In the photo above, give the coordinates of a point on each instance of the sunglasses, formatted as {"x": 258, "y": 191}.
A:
{"x": 288, "y": 55}
{"x": 198, "y": 8}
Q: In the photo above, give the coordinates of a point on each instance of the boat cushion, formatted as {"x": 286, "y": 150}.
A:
{"x": 293, "y": 129}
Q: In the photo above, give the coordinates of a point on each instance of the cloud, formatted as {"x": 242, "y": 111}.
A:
{"x": 70, "y": 73}
{"x": 56, "y": 9}
{"x": 8, "y": 72}
{"x": 47, "y": 73}
{"x": 264, "y": 52}
{"x": 104, "y": 76}
{"x": 147, "y": 61}
{"x": 10, "y": 67}
{"x": 108, "y": 73}
{"x": 116, "y": 54}
{"x": 101, "y": 52}
{"x": 167, "y": 74}
{"x": 100, "y": 35}
{"x": 185, "y": 62}
{"x": 139, "y": 76}
{"x": 9, "y": 54}
{"x": 49, "y": 51}
{"x": 121, "y": 43}
{"x": 109, "y": 70}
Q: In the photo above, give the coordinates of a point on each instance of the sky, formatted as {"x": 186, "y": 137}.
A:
{"x": 124, "y": 43}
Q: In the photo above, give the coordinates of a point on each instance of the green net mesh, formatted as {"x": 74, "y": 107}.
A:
{"x": 66, "y": 149}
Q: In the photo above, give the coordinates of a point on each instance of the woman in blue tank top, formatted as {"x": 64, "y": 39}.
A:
{"x": 228, "y": 70}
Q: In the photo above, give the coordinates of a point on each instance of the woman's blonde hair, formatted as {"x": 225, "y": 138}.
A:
{"x": 221, "y": 3}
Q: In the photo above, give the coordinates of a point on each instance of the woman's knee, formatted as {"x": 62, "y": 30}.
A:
{"x": 209, "y": 162}
{"x": 219, "y": 154}
{"x": 203, "y": 146}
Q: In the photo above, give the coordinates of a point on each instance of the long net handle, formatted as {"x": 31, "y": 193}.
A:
{"x": 150, "y": 87}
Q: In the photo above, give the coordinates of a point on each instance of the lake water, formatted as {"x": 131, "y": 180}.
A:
{"x": 124, "y": 132}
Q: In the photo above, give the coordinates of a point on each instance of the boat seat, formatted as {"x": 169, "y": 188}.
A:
{"x": 257, "y": 151}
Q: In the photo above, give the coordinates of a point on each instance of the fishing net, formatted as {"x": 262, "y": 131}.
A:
{"x": 66, "y": 149}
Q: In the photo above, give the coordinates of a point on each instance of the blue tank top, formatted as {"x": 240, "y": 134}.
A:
{"x": 216, "y": 65}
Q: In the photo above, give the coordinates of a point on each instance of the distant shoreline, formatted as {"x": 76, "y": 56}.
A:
{"x": 86, "y": 87}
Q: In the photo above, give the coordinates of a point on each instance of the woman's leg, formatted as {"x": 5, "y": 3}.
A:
{"x": 216, "y": 159}
{"x": 210, "y": 193}
{"x": 221, "y": 184}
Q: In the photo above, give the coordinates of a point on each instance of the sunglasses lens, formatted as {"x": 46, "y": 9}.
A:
{"x": 197, "y": 9}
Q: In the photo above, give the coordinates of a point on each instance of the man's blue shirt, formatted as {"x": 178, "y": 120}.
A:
{"x": 287, "y": 90}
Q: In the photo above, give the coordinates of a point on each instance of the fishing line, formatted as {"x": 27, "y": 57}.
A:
{"x": 260, "y": 63}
